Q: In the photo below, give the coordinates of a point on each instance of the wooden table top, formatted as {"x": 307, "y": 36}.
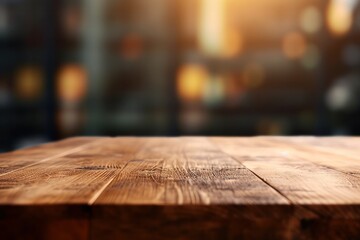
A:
{"x": 183, "y": 188}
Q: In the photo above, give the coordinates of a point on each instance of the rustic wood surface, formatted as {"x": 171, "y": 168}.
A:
{"x": 182, "y": 188}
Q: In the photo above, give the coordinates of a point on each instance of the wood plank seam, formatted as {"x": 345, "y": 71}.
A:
{"x": 267, "y": 183}
{"x": 65, "y": 153}
{"x": 101, "y": 190}
{"x": 274, "y": 188}
{"x": 305, "y": 206}
{"x": 263, "y": 180}
{"x": 98, "y": 193}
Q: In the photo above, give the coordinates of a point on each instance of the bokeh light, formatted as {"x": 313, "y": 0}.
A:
{"x": 29, "y": 83}
{"x": 71, "y": 83}
{"x": 344, "y": 94}
{"x": 339, "y": 16}
{"x": 172, "y": 67}
{"x": 211, "y": 27}
{"x": 294, "y": 45}
{"x": 311, "y": 19}
{"x": 191, "y": 81}
{"x": 217, "y": 36}
{"x": 234, "y": 43}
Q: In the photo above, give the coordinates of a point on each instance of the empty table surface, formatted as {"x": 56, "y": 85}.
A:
{"x": 182, "y": 188}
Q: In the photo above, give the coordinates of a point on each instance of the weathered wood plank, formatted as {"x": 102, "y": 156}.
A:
{"x": 186, "y": 171}
{"x": 324, "y": 190}
{"x": 337, "y": 153}
{"x": 185, "y": 188}
{"x": 75, "y": 178}
{"x": 19, "y": 159}
{"x": 50, "y": 199}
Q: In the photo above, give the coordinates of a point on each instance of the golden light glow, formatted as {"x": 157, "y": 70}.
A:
{"x": 217, "y": 37}
{"x": 191, "y": 81}
{"x": 71, "y": 83}
{"x": 233, "y": 43}
{"x": 294, "y": 45}
{"x": 212, "y": 27}
{"x": 339, "y": 16}
{"x": 310, "y": 19}
{"x": 29, "y": 82}
{"x": 253, "y": 75}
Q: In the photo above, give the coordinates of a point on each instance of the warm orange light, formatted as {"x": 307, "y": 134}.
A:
{"x": 71, "y": 83}
{"x": 253, "y": 75}
{"x": 29, "y": 82}
{"x": 211, "y": 27}
{"x": 294, "y": 45}
{"x": 233, "y": 43}
{"x": 191, "y": 82}
{"x": 339, "y": 16}
{"x": 216, "y": 36}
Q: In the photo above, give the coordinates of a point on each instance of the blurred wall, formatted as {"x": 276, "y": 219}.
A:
{"x": 184, "y": 67}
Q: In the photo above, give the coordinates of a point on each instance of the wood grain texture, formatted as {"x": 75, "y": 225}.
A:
{"x": 13, "y": 161}
{"x": 174, "y": 183}
{"x": 186, "y": 171}
{"x": 56, "y": 193}
{"x": 338, "y": 153}
{"x": 75, "y": 178}
{"x": 182, "y": 188}
{"x": 329, "y": 193}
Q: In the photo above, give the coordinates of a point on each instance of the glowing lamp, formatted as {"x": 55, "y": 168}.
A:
{"x": 191, "y": 81}
{"x": 339, "y": 16}
{"x": 71, "y": 83}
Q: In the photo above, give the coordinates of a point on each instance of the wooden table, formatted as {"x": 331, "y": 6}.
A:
{"x": 183, "y": 188}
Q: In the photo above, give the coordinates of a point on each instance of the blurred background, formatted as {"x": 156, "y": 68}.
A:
{"x": 177, "y": 67}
